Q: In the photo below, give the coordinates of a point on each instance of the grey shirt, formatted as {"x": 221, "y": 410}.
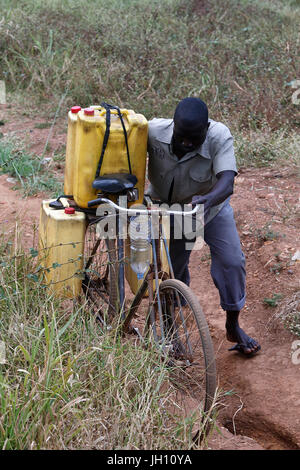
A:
{"x": 193, "y": 174}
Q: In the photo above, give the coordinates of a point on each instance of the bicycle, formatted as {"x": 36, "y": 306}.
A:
{"x": 174, "y": 319}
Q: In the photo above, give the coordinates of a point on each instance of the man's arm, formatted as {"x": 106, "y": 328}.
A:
{"x": 224, "y": 167}
{"x": 221, "y": 191}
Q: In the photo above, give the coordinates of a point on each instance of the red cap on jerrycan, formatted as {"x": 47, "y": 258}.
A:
{"x": 69, "y": 210}
{"x": 75, "y": 109}
{"x": 89, "y": 111}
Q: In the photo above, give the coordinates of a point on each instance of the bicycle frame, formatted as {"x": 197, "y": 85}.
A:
{"x": 153, "y": 267}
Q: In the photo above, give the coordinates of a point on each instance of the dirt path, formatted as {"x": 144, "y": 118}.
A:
{"x": 263, "y": 410}
{"x": 266, "y": 402}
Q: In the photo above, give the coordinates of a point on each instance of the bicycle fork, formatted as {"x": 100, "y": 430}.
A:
{"x": 120, "y": 248}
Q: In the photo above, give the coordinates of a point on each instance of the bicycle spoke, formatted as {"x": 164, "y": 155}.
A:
{"x": 187, "y": 344}
{"x": 100, "y": 283}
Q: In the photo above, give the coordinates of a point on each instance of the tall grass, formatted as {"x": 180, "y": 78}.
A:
{"x": 264, "y": 147}
{"x": 240, "y": 56}
{"x": 67, "y": 384}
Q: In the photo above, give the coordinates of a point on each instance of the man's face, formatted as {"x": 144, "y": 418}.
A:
{"x": 187, "y": 140}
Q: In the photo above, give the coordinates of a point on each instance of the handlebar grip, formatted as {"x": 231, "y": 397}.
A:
{"x": 94, "y": 202}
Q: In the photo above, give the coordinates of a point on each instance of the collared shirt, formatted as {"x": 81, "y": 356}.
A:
{"x": 193, "y": 174}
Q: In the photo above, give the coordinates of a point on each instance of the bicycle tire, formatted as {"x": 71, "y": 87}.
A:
{"x": 100, "y": 283}
{"x": 187, "y": 338}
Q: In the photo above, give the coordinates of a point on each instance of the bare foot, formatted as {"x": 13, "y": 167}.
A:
{"x": 245, "y": 344}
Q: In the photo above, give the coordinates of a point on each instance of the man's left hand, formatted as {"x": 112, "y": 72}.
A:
{"x": 206, "y": 200}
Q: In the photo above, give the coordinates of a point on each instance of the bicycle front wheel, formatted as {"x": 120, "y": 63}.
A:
{"x": 183, "y": 334}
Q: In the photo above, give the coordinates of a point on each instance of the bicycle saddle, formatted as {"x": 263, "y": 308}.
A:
{"x": 115, "y": 182}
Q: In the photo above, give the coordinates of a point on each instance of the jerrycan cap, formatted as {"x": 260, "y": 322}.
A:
{"x": 69, "y": 210}
{"x": 75, "y": 109}
{"x": 89, "y": 111}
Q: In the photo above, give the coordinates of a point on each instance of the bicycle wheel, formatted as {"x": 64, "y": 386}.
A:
{"x": 182, "y": 332}
{"x": 100, "y": 284}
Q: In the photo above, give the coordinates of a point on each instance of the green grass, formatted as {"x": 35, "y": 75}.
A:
{"x": 29, "y": 170}
{"x": 65, "y": 383}
{"x": 273, "y": 301}
{"x": 266, "y": 233}
{"x": 239, "y": 56}
{"x": 43, "y": 125}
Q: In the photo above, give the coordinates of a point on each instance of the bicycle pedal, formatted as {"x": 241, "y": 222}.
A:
{"x": 182, "y": 363}
{"x": 136, "y": 331}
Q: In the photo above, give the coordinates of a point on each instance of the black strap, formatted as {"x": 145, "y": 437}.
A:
{"x": 108, "y": 107}
{"x": 105, "y": 139}
{"x": 126, "y": 139}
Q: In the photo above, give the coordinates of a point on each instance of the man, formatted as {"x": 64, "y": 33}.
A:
{"x": 191, "y": 159}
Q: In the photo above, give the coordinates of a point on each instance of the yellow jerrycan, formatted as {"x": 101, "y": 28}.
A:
{"x": 131, "y": 276}
{"x": 61, "y": 245}
{"x": 93, "y": 135}
{"x": 70, "y": 150}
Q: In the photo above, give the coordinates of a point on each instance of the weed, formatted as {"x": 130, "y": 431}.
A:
{"x": 205, "y": 257}
{"x": 266, "y": 233}
{"x": 273, "y": 301}
{"x": 60, "y": 155}
{"x": 43, "y": 182}
{"x": 276, "y": 268}
{"x": 289, "y": 313}
{"x": 27, "y": 169}
{"x": 43, "y": 125}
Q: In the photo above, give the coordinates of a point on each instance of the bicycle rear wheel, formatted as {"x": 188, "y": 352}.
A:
{"x": 182, "y": 332}
{"x": 100, "y": 284}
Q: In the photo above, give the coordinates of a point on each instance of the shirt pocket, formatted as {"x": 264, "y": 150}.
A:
{"x": 200, "y": 180}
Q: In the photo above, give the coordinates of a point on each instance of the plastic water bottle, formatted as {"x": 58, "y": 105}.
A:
{"x": 139, "y": 244}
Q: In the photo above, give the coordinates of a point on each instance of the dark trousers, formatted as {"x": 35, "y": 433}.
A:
{"x": 227, "y": 258}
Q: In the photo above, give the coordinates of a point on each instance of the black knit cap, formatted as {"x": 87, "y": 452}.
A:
{"x": 191, "y": 113}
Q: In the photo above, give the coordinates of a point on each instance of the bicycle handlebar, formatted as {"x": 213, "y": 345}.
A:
{"x": 95, "y": 202}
